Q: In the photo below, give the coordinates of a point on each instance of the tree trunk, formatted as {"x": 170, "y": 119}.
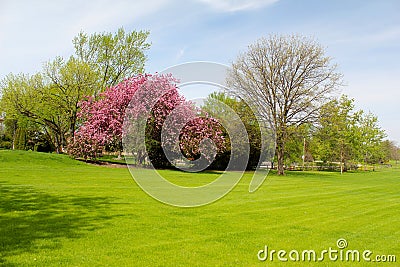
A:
{"x": 281, "y": 170}
{"x": 72, "y": 127}
{"x": 365, "y": 161}
{"x": 341, "y": 162}
{"x": 304, "y": 152}
{"x": 14, "y": 134}
{"x": 57, "y": 141}
{"x": 280, "y": 150}
{"x": 57, "y": 144}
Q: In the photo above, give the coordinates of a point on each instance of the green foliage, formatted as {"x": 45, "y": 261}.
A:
{"x": 250, "y": 123}
{"x": 5, "y": 144}
{"x": 299, "y": 142}
{"x": 49, "y": 100}
{"x": 7, "y": 133}
{"x": 390, "y": 151}
{"x": 69, "y": 82}
{"x": 29, "y": 103}
{"x": 337, "y": 135}
{"x": 370, "y": 137}
{"x": 113, "y": 57}
{"x": 347, "y": 135}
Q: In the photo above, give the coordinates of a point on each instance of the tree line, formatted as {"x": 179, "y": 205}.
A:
{"x": 340, "y": 136}
{"x": 285, "y": 83}
{"x": 40, "y": 110}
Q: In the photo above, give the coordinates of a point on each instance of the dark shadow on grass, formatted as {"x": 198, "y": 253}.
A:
{"x": 31, "y": 220}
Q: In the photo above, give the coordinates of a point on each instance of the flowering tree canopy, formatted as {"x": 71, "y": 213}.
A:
{"x": 103, "y": 121}
{"x": 102, "y": 118}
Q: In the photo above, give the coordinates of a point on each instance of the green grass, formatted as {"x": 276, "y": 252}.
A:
{"x": 57, "y": 211}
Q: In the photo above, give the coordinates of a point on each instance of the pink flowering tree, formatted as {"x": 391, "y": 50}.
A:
{"x": 145, "y": 102}
{"x": 198, "y": 130}
{"x": 102, "y": 119}
{"x": 162, "y": 123}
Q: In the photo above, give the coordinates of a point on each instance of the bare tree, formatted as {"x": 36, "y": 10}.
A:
{"x": 286, "y": 79}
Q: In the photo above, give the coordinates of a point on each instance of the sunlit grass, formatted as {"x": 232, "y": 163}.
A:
{"x": 57, "y": 211}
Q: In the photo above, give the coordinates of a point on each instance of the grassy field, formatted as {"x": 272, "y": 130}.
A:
{"x": 57, "y": 211}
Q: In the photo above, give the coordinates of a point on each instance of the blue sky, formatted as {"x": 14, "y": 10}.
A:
{"x": 362, "y": 37}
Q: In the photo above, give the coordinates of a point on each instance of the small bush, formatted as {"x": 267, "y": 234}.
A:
{"x": 6, "y": 145}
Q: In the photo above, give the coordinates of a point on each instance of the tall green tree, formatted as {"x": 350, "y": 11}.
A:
{"x": 114, "y": 57}
{"x": 345, "y": 134}
{"x": 29, "y": 98}
{"x": 213, "y": 107}
{"x": 370, "y": 138}
{"x": 337, "y": 135}
{"x": 68, "y": 83}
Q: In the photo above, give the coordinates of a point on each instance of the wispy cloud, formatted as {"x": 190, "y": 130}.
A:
{"x": 180, "y": 54}
{"x": 372, "y": 38}
{"x": 32, "y": 33}
{"x": 237, "y": 5}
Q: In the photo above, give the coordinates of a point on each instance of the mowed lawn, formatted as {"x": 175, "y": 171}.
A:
{"x": 55, "y": 211}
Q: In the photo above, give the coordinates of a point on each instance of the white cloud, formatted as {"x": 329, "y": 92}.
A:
{"x": 33, "y": 32}
{"x": 237, "y": 5}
